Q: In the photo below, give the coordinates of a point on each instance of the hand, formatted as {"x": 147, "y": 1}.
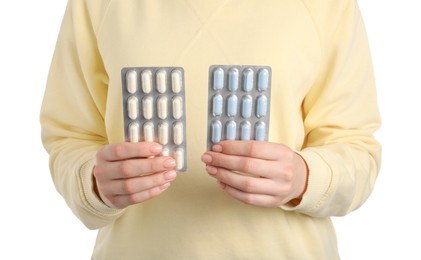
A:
{"x": 127, "y": 173}
{"x": 258, "y": 173}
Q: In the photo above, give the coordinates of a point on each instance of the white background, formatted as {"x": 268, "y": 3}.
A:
{"x": 35, "y": 222}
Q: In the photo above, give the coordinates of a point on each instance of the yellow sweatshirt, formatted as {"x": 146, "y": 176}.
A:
{"x": 323, "y": 106}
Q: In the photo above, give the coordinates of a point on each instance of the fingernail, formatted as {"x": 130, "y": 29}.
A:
{"x": 170, "y": 175}
{"x": 217, "y": 148}
{"x": 211, "y": 170}
{"x": 155, "y": 148}
{"x": 169, "y": 163}
{"x": 165, "y": 186}
{"x": 206, "y": 158}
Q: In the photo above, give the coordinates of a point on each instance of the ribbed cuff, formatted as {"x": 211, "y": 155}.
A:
{"x": 319, "y": 181}
{"x": 91, "y": 198}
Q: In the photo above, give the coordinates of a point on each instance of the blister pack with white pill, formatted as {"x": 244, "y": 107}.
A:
{"x": 238, "y": 103}
{"x": 154, "y": 109}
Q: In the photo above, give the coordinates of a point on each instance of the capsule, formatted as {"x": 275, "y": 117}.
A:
{"x": 177, "y": 107}
{"x": 148, "y": 132}
{"x": 245, "y": 130}
{"x": 232, "y": 101}
{"x": 261, "y": 106}
{"x": 162, "y": 108}
{"x": 218, "y": 79}
{"x": 217, "y": 105}
{"x": 163, "y": 133}
{"x": 263, "y": 80}
{"x": 246, "y": 106}
{"x": 216, "y": 130}
{"x": 133, "y": 107}
{"x": 178, "y": 137}
{"x": 165, "y": 152}
{"x": 131, "y": 81}
{"x": 134, "y": 132}
{"x": 176, "y": 81}
{"x": 233, "y": 79}
{"x": 161, "y": 81}
{"x": 179, "y": 158}
{"x": 248, "y": 80}
{"x": 231, "y": 130}
{"x": 260, "y": 131}
{"x": 147, "y": 107}
{"x": 146, "y": 81}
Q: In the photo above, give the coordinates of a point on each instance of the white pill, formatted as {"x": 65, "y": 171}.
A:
{"x": 161, "y": 81}
{"x": 148, "y": 132}
{"x": 131, "y": 81}
{"x": 177, "y": 81}
{"x": 146, "y": 81}
{"x": 178, "y": 133}
{"x": 133, "y": 107}
{"x": 179, "y": 158}
{"x": 177, "y": 107}
{"x": 162, "y": 107}
{"x": 165, "y": 152}
{"x": 147, "y": 107}
{"x": 134, "y": 132}
{"x": 163, "y": 131}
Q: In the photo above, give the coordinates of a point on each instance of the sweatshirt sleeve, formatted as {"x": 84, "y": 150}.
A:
{"x": 340, "y": 117}
{"x": 72, "y": 113}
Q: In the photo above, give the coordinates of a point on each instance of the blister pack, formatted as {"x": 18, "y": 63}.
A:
{"x": 238, "y": 103}
{"x": 154, "y": 109}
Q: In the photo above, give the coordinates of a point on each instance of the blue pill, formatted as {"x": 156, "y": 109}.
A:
{"x": 248, "y": 80}
{"x": 233, "y": 79}
{"x": 260, "y": 131}
{"x": 245, "y": 130}
{"x": 218, "y": 79}
{"x": 232, "y": 101}
{"x": 216, "y": 131}
{"x": 217, "y": 105}
{"x": 263, "y": 80}
{"x": 231, "y": 130}
{"x": 261, "y": 106}
{"x": 246, "y": 106}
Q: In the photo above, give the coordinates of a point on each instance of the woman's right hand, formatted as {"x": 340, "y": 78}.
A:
{"x": 130, "y": 173}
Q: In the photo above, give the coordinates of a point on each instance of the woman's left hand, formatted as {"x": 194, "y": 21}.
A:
{"x": 258, "y": 173}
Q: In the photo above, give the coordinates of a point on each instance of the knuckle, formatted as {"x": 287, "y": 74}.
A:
{"x": 248, "y": 166}
{"x": 248, "y": 185}
{"x": 124, "y": 169}
{"x": 118, "y": 151}
{"x": 253, "y": 148}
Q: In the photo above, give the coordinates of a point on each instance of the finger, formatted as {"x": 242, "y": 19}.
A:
{"x": 139, "y": 184}
{"x": 122, "y": 201}
{"x": 255, "y": 149}
{"x": 139, "y": 167}
{"x": 127, "y": 150}
{"x": 250, "y": 198}
{"x": 246, "y": 183}
{"x": 248, "y": 165}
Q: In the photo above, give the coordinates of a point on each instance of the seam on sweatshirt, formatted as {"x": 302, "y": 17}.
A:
{"x": 101, "y": 22}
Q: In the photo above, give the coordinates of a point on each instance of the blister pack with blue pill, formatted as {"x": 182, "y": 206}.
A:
{"x": 154, "y": 109}
{"x": 238, "y": 103}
